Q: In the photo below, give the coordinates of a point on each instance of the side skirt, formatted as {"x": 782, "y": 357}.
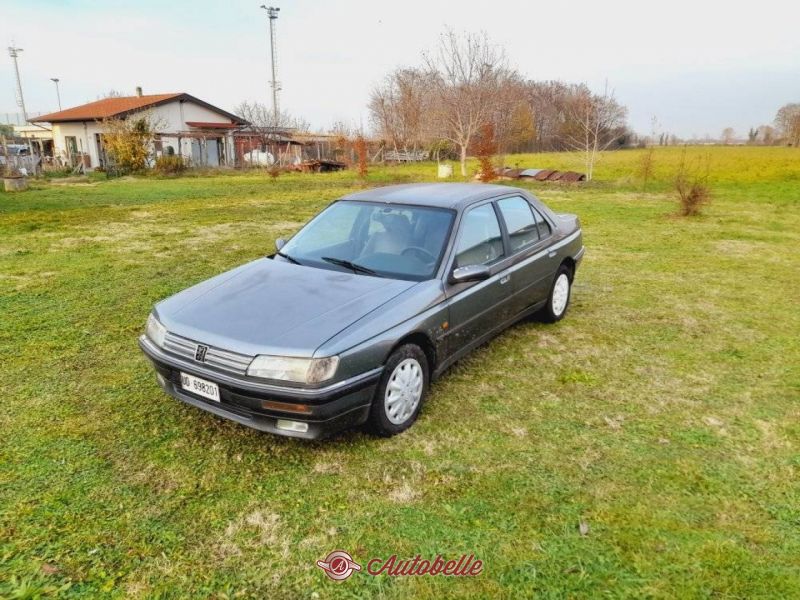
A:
{"x": 458, "y": 355}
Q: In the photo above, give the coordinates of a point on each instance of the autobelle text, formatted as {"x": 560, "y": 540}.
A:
{"x": 464, "y": 566}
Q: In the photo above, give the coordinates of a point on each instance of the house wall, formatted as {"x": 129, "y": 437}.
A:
{"x": 84, "y": 136}
{"x": 173, "y": 115}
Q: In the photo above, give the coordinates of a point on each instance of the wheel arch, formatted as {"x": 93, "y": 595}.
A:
{"x": 569, "y": 262}
{"x": 424, "y": 342}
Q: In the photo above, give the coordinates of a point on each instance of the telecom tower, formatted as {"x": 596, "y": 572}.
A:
{"x": 272, "y": 13}
{"x": 13, "y": 52}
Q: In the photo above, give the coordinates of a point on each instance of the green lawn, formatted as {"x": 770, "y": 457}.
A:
{"x": 662, "y": 412}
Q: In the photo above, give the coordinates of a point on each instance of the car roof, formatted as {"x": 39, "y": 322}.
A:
{"x": 439, "y": 195}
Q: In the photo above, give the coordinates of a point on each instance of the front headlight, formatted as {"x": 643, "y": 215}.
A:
{"x": 298, "y": 370}
{"x": 155, "y": 331}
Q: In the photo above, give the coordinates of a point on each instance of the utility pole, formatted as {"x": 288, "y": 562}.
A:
{"x": 13, "y": 52}
{"x": 272, "y": 13}
{"x": 58, "y": 93}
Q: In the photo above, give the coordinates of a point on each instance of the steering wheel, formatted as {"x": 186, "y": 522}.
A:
{"x": 427, "y": 257}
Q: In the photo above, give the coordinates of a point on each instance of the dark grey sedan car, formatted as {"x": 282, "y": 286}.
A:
{"x": 354, "y": 316}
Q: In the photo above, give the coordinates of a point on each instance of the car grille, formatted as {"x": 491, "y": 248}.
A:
{"x": 217, "y": 358}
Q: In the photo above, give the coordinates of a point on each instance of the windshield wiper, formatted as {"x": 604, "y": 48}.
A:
{"x": 356, "y": 268}
{"x": 287, "y": 257}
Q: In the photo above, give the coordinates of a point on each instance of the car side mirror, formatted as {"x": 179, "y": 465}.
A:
{"x": 279, "y": 243}
{"x": 470, "y": 273}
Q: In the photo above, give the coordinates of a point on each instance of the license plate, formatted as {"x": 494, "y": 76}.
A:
{"x": 201, "y": 387}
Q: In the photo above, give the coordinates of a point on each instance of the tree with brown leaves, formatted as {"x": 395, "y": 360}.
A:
{"x": 485, "y": 150}
{"x": 360, "y": 147}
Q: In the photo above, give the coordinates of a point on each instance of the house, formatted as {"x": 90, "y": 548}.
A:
{"x": 186, "y": 126}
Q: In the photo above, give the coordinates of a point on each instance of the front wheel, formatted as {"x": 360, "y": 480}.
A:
{"x": 558, "y": 300}
{"x": 398, "y": 398}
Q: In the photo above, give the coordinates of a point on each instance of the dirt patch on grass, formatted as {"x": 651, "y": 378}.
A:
{"x": 742, "y": 248}
{"x": 259, "y": 528}
{"x": 403, "y": 494}
{"x": 21, "y": 282}
{"x": 327, "y": 468}
{"x": 72, "y": 181}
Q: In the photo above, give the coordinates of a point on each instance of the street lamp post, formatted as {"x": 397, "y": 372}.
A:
{"x": 58, "y": 93}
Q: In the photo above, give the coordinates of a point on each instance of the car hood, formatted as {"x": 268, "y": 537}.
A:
{"x": 272, "y": 307}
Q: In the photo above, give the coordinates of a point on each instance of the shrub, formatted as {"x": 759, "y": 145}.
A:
{"x": 646, "y": 167}
{"x": 170, "y": 164}
{"x": 691, "y": 186}
{"x": 360, "y": 147}
{"x": 128, "y": 141}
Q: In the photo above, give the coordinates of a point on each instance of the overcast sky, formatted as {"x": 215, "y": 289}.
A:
{"x": 697, "y": 66}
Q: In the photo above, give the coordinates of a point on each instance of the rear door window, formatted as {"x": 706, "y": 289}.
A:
{"x": 520, "y": 222}
{"x": 542, "y": 225}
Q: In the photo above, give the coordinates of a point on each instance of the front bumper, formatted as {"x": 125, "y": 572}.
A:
{"x": 327, "y": 409}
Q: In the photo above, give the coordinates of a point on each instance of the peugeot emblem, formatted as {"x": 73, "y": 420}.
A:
{"x": 200, "y": 353}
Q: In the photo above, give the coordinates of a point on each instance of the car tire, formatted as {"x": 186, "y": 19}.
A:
{"x": 559, "y": 297}
{"x": 401, "y": 391}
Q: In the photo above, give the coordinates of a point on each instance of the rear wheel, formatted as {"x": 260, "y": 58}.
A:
{"x": 401, "y": 391}
{"x": 558, "y": 300}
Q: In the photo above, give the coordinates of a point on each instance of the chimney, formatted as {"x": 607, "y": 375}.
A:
{"x": 139, "y": 90}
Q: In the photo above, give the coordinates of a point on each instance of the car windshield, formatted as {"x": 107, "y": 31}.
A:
{"x": 389, "y": 240}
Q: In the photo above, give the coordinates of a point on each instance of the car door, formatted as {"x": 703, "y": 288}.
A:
{"x": 530, "y": 265}
{"x": 478, "y": 307}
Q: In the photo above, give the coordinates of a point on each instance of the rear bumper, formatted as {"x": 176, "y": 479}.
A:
{"x": 325, "y": 410}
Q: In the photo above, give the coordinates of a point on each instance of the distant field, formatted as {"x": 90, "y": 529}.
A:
{"x": 663, "y": 412}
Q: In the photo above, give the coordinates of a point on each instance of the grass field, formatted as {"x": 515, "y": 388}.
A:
{"x": 662, "y": 412}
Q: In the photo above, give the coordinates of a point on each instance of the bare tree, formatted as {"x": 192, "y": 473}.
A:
{"x": 267, "y": 127}
{"x": 787, "y": 122}
{"x": 766, "y": 135}
{"x": 728, "y": 135}
{"x": 466, "y": 74}
{"x": 596, "y": 122}
{"x": 398, "y": 108}
{"x": 513, "y": 119}
{"x": 466, "y": 83}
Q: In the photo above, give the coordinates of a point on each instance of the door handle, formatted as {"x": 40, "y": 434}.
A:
{"x": 505, "y": 279}
{"x": 552, "y": 253}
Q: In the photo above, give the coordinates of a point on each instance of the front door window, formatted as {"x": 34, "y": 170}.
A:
{"x": 480, "y": 242}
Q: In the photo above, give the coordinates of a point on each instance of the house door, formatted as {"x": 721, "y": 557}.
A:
{"x": 212, "y": 152}
{"x": 196, "y": 154}
{"x": 101, "y": 151}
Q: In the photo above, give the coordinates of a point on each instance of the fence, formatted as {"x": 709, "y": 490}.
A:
{"x": 27, "y": 165}
{"x": 405, "y": 156}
